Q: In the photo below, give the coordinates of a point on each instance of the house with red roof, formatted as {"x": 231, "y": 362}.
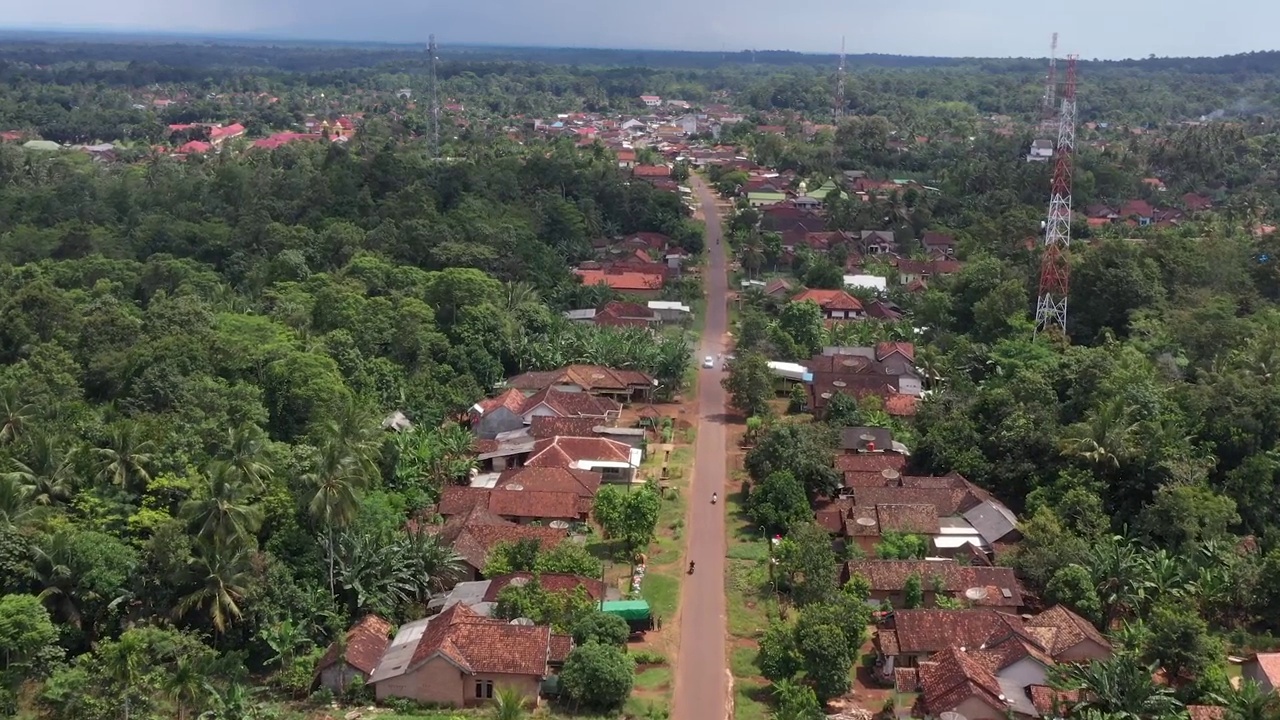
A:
{"x": 356, "y": 655}
{"x": 835, "y": 304}
{"x": 640, "y": 284}
{"x": 272, "y": 142}
{"x": 983, "y": 663}
{"x": 1264, "y": 669}
{"x": 621, "y": 385}
{"x": 1139, "y": 210}
{"x": 514, "y": 503}
{"x": 195, "y": 147}
{"x": 475, "y": 534}
{"x": 219, "y": 135}
{"x": 460, "y": 658}
{"x": 650, "y": 171}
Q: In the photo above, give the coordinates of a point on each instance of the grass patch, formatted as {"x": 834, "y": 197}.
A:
{"x": 654, "y": 678}
{"x": 647, "y": 708}
{"x": 742, "y": 662}
{"x": 662, "y": 590}
{"x": 750, "y": 700}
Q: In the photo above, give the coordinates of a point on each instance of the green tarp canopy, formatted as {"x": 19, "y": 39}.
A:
{"x": 627, "y": 609}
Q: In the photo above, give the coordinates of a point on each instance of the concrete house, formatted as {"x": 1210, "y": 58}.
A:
{"x": 460, "y": 658}
{"x": 835, "y": 304}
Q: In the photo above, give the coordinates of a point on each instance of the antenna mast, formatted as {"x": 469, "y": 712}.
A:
{"x": 839, "y": 109}
{"x": 1050, "y": 100}
{"x": 1055, "y": 271}
{"x": 435, "y": 98}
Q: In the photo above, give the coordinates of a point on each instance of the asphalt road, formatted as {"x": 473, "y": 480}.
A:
{"x": 702, "y": 687}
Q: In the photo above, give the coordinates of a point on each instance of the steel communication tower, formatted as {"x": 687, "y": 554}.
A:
{"x": 839, "y": 109}
{"x": 435, "y": 98}
{"x": 1055, "y": 273}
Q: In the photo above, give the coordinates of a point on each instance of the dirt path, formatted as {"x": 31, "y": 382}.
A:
{"x": 702, "y": 691}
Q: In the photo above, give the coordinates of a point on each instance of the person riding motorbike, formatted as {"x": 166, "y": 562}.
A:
{"x": 713, "y": 498}
{"x": 690, "y": 567}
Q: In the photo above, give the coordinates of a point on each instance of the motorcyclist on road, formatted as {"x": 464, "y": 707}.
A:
{"x": 713, "y": 498}
{"x": 690, "y": 567}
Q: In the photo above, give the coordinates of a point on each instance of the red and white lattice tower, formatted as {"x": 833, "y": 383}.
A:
{"x": 1055, "y": 273}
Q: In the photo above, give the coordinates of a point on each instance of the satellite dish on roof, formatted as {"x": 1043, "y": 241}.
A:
{"x": 867, "y": 437}
{"x": 519, "y": 581}
{"x": 826, "y": 396}
{"x": 522, "y": 621}
{"x": 976, "y": 593}
{"x": 839, "y": 383}
{"x": 866, "y": 522}
{"x": 848, "y": 363}
{"x": 513, "y": 486}
{"x": 889, "y": 474}
{"x": 559, "y": 524}
{"x": 951, "y": 715}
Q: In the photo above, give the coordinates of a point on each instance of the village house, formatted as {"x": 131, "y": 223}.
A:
{"x": 651, "y": 100}
{"x": 461, "y": 659}
{"x": 512, "y": 410}
{"x": 639, "y": 284}
{"x": 984, "y": 586}
{"x": 920, "y": 271}
{"x": 887, "y": 371}
{"x": 516, "y": 504}
{"x": 984, "y": 664}
{"x": 836, "y": 305}
{"x": 476, "y": 533}
{"x": 876, "y": 242}
{"x": 356, "y": 655}
{"x": 1264, "y": 669}
{"x": 621, "y": 385}
{"x": 939, "y": 244}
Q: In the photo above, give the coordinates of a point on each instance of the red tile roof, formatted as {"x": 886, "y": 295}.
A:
{"x": 479, "y": 644}
{"x": 533, "y": 504}
{"x": 563, "y": 451}
{"x": 901, "y": 405}
{"x": 830, "y": 299}
{"x": 544, "y": 426}
{"x": 195, "y": 147}
{"x": 511, "y": 399}
{"x": 474, "y": 535}
{"x": 905, "y": 349}
{"x": 954, "y": 579}
{"x": 652, "y": 171}
{"x": 278, "y": 139}
{"x": 1050, "y": 702}
{"x": 951, "y": 677}
{"x": 590, "y": 378}
{"x": 365, "y": 643}
{"x": 224, "y": 133}
{"x": 583, "y": 483}
{"x": 623, "y": 281}
{"x": 1069, "y": 629}
{"x": 571, "y": 404}
{"x": 927, "y": 631}
{"x": 561, "y": 646}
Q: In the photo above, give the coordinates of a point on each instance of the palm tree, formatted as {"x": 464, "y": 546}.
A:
{"x": 53, "y": 573}
{"x": 435, "y": 564}
{"x": 14, "y": 414}
{"x": 17, "y": 503}
{"x": 245, "y": 453}
{"x": 1119, "y": 574}
{"x": 1105, "y": 436}
{"x": 334, "y": 496}
{"x": 122, "y": 660}
{"x": 356, "y": 433}
{"x": 125, "y": 458}
{"x": 50, "y": 472}
{"x": 1119, "y": 687}
{"x": 185, "y": 686}
{"x": 221, "y": 576}
{"x": 508, "y": 704}
{"x": 223, "y": 515}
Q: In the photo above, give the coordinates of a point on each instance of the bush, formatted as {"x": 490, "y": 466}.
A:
{"x": 648, "y": 657}
{"x": 599, "y": 677}
{"x": 602, "y": 628}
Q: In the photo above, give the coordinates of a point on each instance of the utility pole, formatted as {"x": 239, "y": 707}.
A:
{"x": 1055, "y": 270}
{"x": 435, "y": 98}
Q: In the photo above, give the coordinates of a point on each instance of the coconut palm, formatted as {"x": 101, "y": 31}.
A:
{"x": 14, "y": 414}
{"x": 219, "y": 575}
{"x": 334, "y": 496}
{"x": 49, "y": 473}
{"x": 1105, "y": 438}
{"x": 125, "y": 458}
{"x": 17, "y": 504}
{"x": 1120, "y": 575}
{"x": 123, "y": 660}
{"x": 355, "y": 433}
{"x": 435, "y": 565}
{"x": 186, "y": 686}
{"x": 223, "y": 514}
{"x": 246, "y": 454}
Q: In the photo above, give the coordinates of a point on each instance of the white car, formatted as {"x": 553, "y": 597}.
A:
{"x": 708, "y": 362}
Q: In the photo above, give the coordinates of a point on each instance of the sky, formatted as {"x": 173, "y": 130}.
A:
{"x": 1103, "y": 29}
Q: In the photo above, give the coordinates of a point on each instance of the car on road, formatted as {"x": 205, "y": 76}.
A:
{"x": 708, "y": 362}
